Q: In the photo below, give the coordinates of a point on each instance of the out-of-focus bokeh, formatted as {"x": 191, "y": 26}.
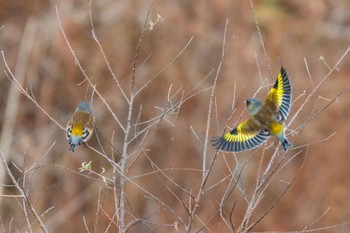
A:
{"x": 298, "y": 34}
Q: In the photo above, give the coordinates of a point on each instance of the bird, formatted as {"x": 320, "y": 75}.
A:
{"x": 266, "y": 118}
{"x": 80, "y": 126}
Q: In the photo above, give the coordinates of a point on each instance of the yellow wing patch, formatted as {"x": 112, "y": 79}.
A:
{"x": 280, "y": 95}
{"x": 242, "y": 138}
{"x": 276, "y": 92}
{"x": 267, "y": 120}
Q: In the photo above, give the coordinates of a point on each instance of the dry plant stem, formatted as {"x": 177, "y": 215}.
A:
{"x": 223, "y": 52}
{"x": 165, "y": 67}
{"x": 104, "y": 55}
{"x": 245, "y": 227}
{"x": 260, "y": 37}
{"x": 262, "y": 184}
{"x": 164, "y": 170}
{"x": 313, "y": 117}
{"x": 112, "y": 162}
{"x": 13, "y": 96}
{"x": 25, "y": 92}
{"x": 166, "y": 111}
{"x": 23, "y": 194}
{"x": 168, "y": 188}
{"x": 120, "y": 203}
{"x": 97, "y": 129}
{"x": 120, "y": 209}
{"x": 170, "y": 108}
{"x": 259, "y": 70}
{"x": 144, "y": 145}
{"x": 260, "y": 191}
{"x": 157, "y": 199}
{"x": 24, "y": 204}
{"x": 335, "y": 67}
{"x": 205, "y": 224}
{"x": 113, "y": 148}
{"x": 258, "y": 194}
{"x": 11, "y": 196}
{"x": 104, "y": 180}
{"x": 72, "y": 207}
{"x": 323, "y": 228}
{"x": 86, "y": 77}
{"x": 85, "y": 225}
{"x": 12, "y": 103}
{"x": 309, "y": 74}
{"x": 228, "y": 193}
{"x": 205, "y": 173}
{"x": 317, "y": 220}
{"x": 320, "y": 229}
{"x": 261, "y": 188}
{"x": 231, "y": 174}
{"x": 111, "y": 221}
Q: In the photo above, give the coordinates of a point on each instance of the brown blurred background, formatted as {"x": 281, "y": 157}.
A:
{"x": 293, "y": 31}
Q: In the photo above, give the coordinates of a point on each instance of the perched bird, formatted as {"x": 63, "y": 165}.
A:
{"x": 265, "y": 119}
{"x": 80, "y": 126}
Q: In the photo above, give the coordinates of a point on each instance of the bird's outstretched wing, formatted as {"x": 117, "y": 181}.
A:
{"x": 280, "y": 96}
{"x": 245, "y": 137}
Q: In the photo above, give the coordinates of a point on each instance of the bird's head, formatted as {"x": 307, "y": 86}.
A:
{"x": 253, "y": 105}
{"x": 83, "y": 106}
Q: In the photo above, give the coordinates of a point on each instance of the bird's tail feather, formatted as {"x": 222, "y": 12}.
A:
{"x": 286, "y": 144}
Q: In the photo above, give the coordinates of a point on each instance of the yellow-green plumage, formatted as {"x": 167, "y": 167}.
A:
{"x": 79, "y": 121}
{"x": 80, "y": 126}
{"x": 77, "y": 129}
{"x": 275, "y": 128}
{"x": 265, "y": 119}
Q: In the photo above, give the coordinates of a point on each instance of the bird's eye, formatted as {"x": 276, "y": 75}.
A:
{"x": 249, "y": 104}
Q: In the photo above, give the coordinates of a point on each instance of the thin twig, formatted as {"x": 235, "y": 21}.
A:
{"x": 205, "y": 173}
{"x": 94, "y": 35}
{"x": 82, "y": 70}
{"x": 120, "y": 203}
{"x": 335, "y": 67}
{"x": 260, "y": 37}
{"x": 278, "y": 199}
{"x": 19, "y": 86}
{"x": 165, "y": 67}
{"x": 22, "y": 193}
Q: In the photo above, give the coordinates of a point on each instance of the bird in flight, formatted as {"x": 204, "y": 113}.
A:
{"x": 266, "y": 118}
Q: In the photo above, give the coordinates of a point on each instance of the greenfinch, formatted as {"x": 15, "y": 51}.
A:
{"x": 265, "y": 119}
{"x": 79, "y": 128}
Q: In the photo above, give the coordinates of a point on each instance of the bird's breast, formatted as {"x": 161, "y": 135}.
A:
{"x": 77, "y": 129}
{"x": 275, "y": 128}
{"x": 268, "y": 121}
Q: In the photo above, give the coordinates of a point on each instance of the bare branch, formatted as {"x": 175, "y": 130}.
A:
{"x": 23, "y": 194}
{"x": 86, "y": 77}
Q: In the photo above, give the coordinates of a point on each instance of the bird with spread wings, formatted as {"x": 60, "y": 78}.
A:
{"x": 265, "y": 119}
